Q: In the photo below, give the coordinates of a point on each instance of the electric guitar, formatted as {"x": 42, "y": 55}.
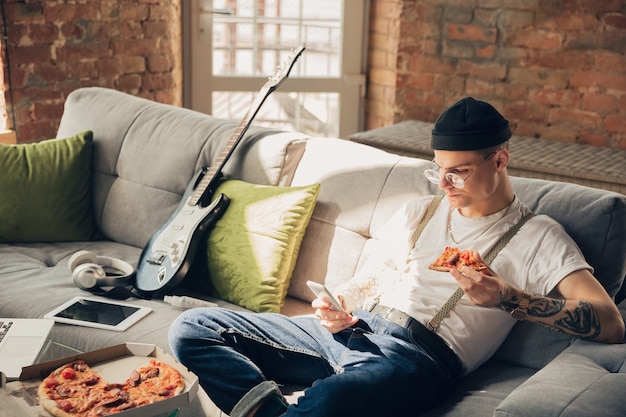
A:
{"x": 167, "y": 257}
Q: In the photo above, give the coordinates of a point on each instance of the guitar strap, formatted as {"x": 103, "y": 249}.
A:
{"x": 433, "y": 324}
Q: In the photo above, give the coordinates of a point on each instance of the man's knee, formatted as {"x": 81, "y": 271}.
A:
{"x": 177, "y": 335}
{"x": 186, "y": 331}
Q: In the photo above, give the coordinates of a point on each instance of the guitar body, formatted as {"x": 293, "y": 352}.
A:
{"x": 166, "y": 258}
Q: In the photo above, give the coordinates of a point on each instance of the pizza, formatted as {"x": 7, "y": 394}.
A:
{"x": 453, "y": 258}
{"x": 75, "y": 389}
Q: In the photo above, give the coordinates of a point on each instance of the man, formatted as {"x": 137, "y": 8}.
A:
{"x": 388, "y": 356}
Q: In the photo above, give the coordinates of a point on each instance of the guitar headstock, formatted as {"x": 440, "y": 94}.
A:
{"x": 285, "y": 68}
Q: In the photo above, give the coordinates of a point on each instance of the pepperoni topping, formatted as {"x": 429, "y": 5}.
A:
{"x": 51, "y": 382}
{"x": 65, "y": 405}
{"x": 68, "y": 373}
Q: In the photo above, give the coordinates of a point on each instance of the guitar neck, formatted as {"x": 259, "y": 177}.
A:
{"x": 209, "y": 180}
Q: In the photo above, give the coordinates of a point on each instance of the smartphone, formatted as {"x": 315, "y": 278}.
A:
{"x": 322, "y": 292}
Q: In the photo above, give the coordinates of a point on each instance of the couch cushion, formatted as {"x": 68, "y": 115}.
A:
{"x": 147, "y": 152}
{"x": 46, "y": 189}
{"x": 590, "y": 378}
{"x": 521, "y": 347}
{"x": 251, "y": 251}
{"x": 361, "y": 187}
{"x": 35, "y": 279}
{"x": 595, "y": 219}
{"x": 479, "y": 393}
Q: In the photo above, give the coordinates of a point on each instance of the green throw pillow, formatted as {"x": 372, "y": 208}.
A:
{"x": 46, "y": 190}
{"x": 249, "y": 255}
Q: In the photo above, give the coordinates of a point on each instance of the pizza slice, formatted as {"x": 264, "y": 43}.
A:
{"x": 154, "y": 382}
{"x": 69, "y": 390}
{"x": 75, "y": 390}
{"x": 453, "y": 258}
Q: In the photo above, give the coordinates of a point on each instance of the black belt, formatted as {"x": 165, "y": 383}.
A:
{"x": 431, "y": 342}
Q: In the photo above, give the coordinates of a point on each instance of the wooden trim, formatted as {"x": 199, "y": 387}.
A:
{"x": 8, "y": 137}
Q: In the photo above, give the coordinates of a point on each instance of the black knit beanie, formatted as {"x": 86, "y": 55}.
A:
{"x": 469, "y": 125}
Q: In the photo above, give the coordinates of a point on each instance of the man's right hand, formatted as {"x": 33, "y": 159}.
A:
{"x": 333, "y": 320}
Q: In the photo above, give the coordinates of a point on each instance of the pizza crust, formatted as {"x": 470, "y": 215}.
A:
{"x": 51, "y": 406}
{"x": 440, "y": 268}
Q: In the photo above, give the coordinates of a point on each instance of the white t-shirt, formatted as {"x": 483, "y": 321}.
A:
{"x": 536, "y": 260}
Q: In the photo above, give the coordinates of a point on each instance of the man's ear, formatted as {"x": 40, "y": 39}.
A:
{"x": 502, "y": 159}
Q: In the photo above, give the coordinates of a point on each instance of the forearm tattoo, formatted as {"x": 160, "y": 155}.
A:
{"x": 583, "y": 321}
{"x": 508, "y": 302}
{"x": 545, "y": 307}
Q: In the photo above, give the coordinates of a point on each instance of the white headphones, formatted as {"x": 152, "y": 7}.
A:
{"x": 88, "y": 271}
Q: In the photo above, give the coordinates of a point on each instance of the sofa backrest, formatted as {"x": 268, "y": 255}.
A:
{"x": 145, "y": 154}
{"x": 594, "y": 218}
{"x": 362, "y": 186}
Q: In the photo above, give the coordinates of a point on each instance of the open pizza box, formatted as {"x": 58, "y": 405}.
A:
{"x": 114, "y": 364}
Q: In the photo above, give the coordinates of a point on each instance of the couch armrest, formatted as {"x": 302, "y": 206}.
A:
{"x": 586, "y": 379}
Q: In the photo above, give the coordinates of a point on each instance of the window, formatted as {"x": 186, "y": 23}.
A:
{"x": 234, "y": 45}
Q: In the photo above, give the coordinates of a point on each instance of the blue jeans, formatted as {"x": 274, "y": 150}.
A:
{"x": 371, "y": 369}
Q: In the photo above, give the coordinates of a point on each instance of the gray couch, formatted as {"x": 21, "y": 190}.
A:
{"x": 146, "y": 153}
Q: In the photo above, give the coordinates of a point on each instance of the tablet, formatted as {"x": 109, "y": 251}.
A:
{"x": 102, "y": 314}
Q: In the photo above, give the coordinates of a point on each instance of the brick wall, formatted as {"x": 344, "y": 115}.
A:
{"x": 555, "y": 69}
{"x": 55, "y": 47}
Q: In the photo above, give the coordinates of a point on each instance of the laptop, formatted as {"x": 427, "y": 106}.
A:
{"x": 21, "y": 341}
